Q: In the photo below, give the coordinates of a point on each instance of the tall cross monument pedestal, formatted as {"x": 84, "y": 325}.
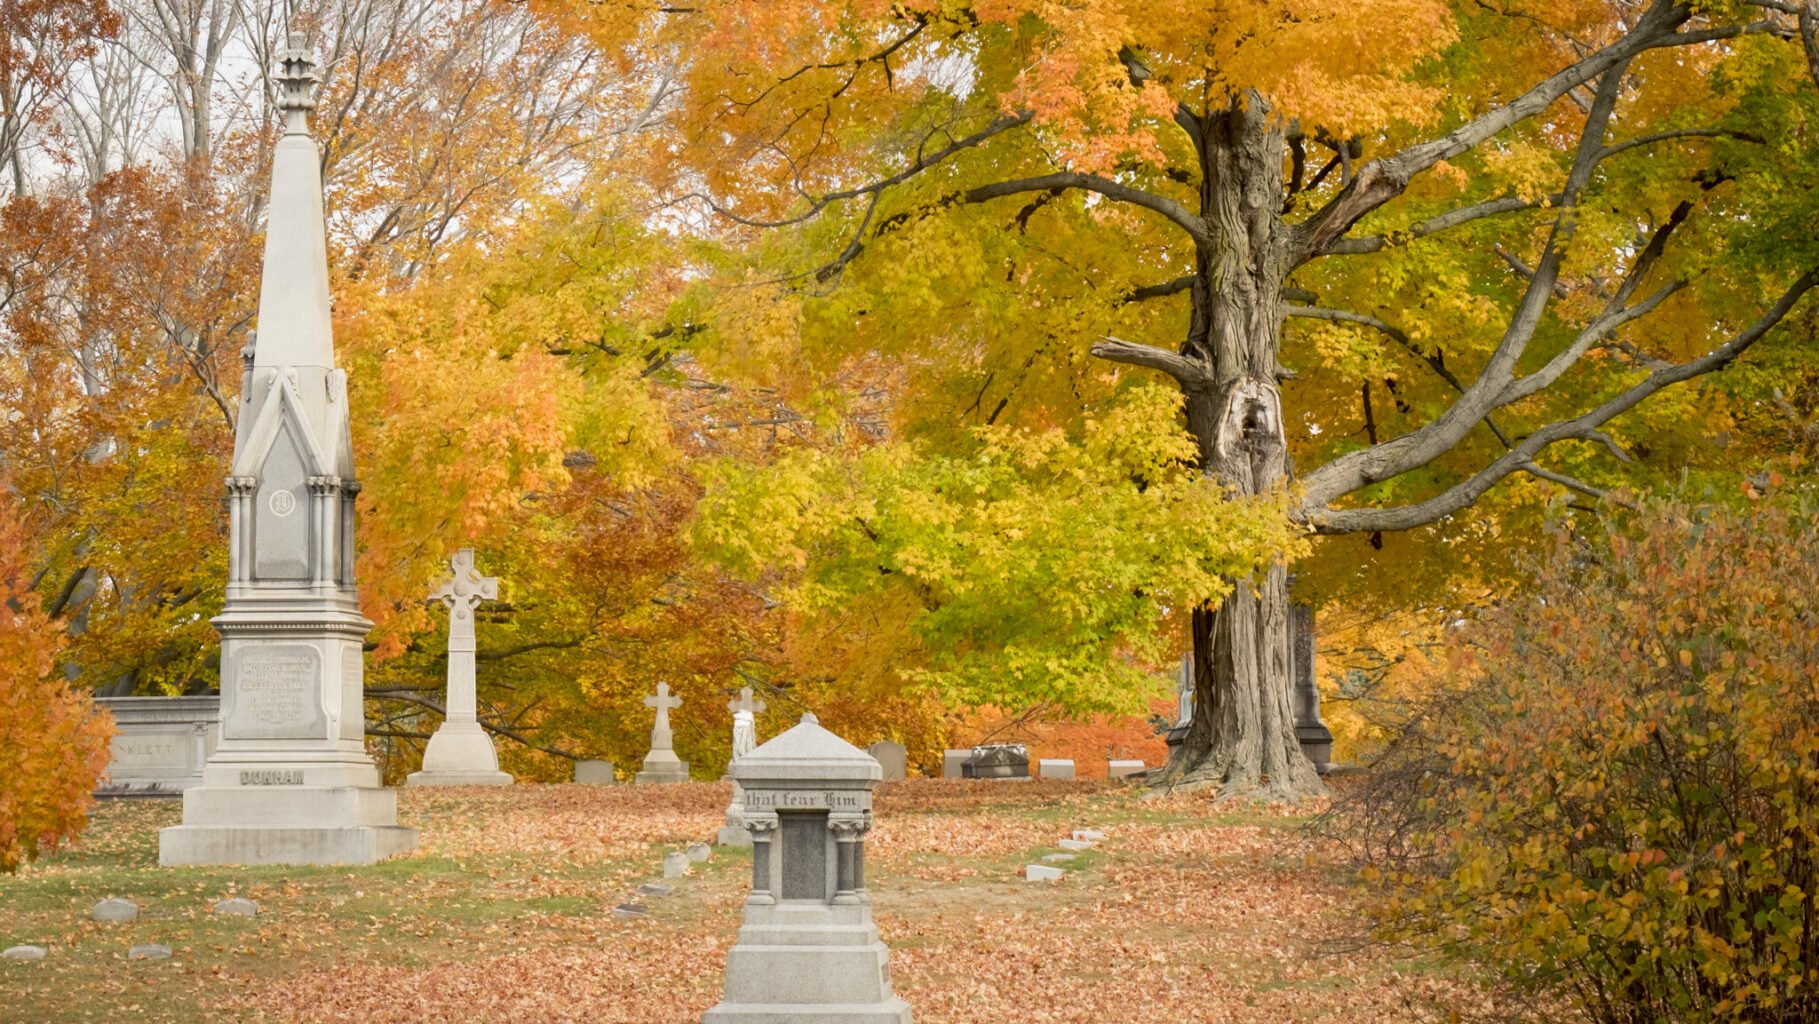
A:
{"x": 461, "y": 753}
{"x": 291, "y": 782}
{"x": 661, "y": 764}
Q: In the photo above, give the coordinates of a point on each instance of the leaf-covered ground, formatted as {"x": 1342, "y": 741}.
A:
{"x": 1183, "y": 913}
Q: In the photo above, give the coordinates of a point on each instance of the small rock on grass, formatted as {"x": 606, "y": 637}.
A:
{"x": 234, "y": 906}
{"x": 112, "y": 909}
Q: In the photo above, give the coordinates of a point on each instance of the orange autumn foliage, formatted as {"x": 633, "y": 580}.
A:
{"x": 53, "y": 743}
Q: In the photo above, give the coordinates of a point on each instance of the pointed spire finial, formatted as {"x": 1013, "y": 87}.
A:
{"x": 296, "y": 85}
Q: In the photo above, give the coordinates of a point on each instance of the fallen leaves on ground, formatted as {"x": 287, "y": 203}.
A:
{"x": 1186, "y": 911}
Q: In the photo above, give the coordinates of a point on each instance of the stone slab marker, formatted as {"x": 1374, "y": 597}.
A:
{"x": 461, "y": 753}
{"x": 807, "y": 951}
{"x": 661, "y": 764}
{"x": 1315, "y": 738}
{"x": 891, "y": 756}
{"x": 160, "y": 744}
{"x": 745, "y": 738}
{"x": 290, "y": 782}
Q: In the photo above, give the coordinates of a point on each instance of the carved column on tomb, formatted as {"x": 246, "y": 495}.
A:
{"x": 763, "y": 828}
{"x": 849, "y": 843}
{"x": 239, "y": 527}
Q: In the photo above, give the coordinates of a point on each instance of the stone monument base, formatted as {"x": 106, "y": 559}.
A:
{"x": 801, "y": 963}
{"x": 460, "y": 754}
{"x": 659, "y": 769}
{"x": 662, "y": 775}
{"x": 286, "y": 825}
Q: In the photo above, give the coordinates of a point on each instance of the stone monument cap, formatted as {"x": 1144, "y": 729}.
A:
{"x": 806, "y": 753}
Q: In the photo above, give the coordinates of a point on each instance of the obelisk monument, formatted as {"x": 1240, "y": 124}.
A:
{"x": 290, "y": 782}
{"x": 461, "y": 753}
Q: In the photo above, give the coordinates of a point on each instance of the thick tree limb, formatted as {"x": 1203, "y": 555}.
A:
{"x": 1192, "y": 373}
{"x": 1398, "y": 455}
{"x": 1583, "y": 427}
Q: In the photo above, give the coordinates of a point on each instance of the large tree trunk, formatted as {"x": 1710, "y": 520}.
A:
{"x": 1243, "y": 733}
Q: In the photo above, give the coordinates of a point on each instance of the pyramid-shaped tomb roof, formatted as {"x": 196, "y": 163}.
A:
{"x": 807, "y": 754}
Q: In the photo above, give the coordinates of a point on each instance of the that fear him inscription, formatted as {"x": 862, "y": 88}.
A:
{"x": 827, "y": 800}
{"x": 276, "y": 694}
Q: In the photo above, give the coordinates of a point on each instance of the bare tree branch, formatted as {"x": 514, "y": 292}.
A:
{"x": 1436, "y": 224}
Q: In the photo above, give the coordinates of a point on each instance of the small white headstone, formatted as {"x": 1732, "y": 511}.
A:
{"x": 1090, "y": 835}
{"x": 698, "y": 852}
{"x": 594, "y": 773}
{"x": 1074, "y": 844}
{"x": 675, "y": 864}
{"x": 1120, "y": 769}
{"x": 150, "y": 951}
{"x": 1055, "y": 768}
{"x": 1057, "y": 858}
{"x": 655, "y": 889}
{"x": 24, "y": 953}
{"x": 115, "y": 910}
{"x": 628, "y": 912}
{"x": 1041, "y": 873}
{"x": 235, "y": 906}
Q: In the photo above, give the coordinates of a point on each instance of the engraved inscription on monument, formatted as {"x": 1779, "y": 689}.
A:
{"x": 276, "y": 694}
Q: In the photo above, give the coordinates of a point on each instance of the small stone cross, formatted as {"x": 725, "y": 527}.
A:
{"x": 463, "y": 593}
{"x": 744, "y": 702}
{"x": 662, "y": 702}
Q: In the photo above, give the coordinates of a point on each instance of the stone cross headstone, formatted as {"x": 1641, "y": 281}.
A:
{"x": 661, "y": 764}
{"x": 807, "y": 948}
{"x": 461, "y": 753}
{"x": 745, "y": 737}
{"x": 291, "y": 781}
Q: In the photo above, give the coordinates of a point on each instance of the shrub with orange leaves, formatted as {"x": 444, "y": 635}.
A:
{"x": 53, "y": 743}
{"x": 1618, "y": 803}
